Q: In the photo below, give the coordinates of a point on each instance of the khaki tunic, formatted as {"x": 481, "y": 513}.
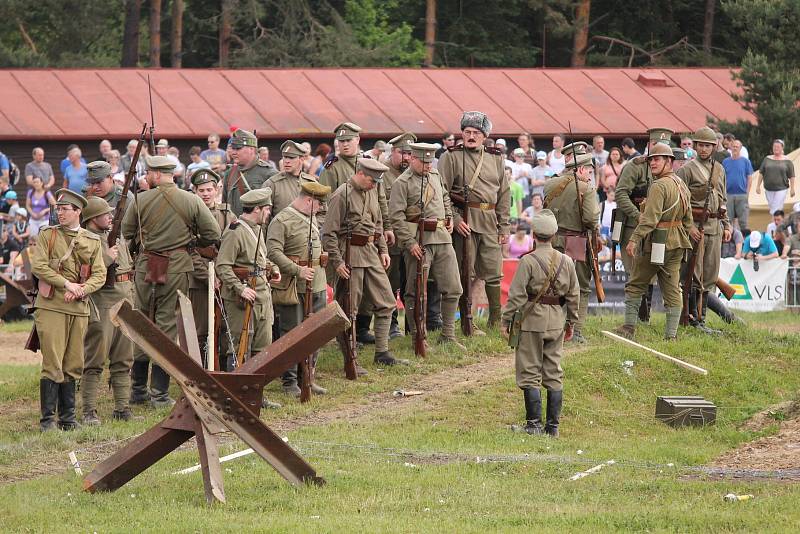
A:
{"x": 252, "y": 177}
{"x": 632, "y": 187}
{"x": 62, "y": 325}
{"x": 284, "y": 188}
{"x": 695, "y": 174}
{"x": 457, "y": 166}
{"x": 538, "y": 355}
{"x": 340, "y": 169}
{"x": 238, "y": 249}
{"x": 667, "y": 201}
{"x": 396, "y": 270}
{"x": 565, "y": 207}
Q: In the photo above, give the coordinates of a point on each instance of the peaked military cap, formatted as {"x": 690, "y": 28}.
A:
{"x": 160, "y": 163}
{"x": 403, "y": 141}
{"x": 241, "y": 138}
{"x": 95, "y": 207}
{"x": 477, "y": 120}
{"x": 292, "y": 149}
{"x": 346, "y": 130}
{"x": 660, "y": 135}
{"x": 660, "y": 149}
{"x": 578, "y": 147}
{"x": 256, "y": 198}
{"x": 163, "y": 142}
{"x": 705, "y": 135}
{"x": 65, "y": 197}
{"x": 544, "y": 223}
{"x": 98, "y": 171}
{"x": 372, "y": 167}
{"x": 584, "y": 160}
{"x": 315, "y": 189}
{"x": 204, "y": 176}
{"x": 679, "y": 153}
{"x": 425, "y": 152}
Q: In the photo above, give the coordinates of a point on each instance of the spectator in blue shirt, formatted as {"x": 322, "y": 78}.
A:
{"x": 739, "y": 173}
{"x": 4, "y": 166}
{"x": 65, "y": 161}
{"x": 76, "y": 173}
{"x": 760, "y": 245}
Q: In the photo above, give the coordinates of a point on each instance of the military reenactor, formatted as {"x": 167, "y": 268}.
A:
{"x": 354, "y": 213}
{"x": 420, "y": 197}
{"x": 101, "y": 184}
{"x": 206, "y": 186}
{"x": 577, "y": 212}
{"x": 481, "y": 170}
{"x": 287, "y": 243}
{"x": 164, "y": 221}
{"x": 631, "y": 190}
{"x": 706, "y": 180}
{"x": 103, "y": 340}
{"x": 251, "y": 172}
{"x": 242, "y": 260}
{"x": 576, "y": 148}
{"x": 542, "y": 307}
{"x": 68, "y": 263}
{"x": 658, "y": 242}
{"x": 285, "y": 186}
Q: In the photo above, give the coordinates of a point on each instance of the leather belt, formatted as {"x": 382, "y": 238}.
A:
{"x": 669, "y": 224}
{"x": 485, "y": 206}
{"x": 321, "y": 262}
{"x": 358, "y": 240}
{"x": 567, "y": 232}
{"x": 167, "y": 252}
{"x": 698, "y": 213}
{"x": 123, "y": 277}
{"x": 550, "y": 300}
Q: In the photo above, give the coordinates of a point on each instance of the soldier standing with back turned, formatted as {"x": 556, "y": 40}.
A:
{"x": 164, "y": 223}
{"x": 481, "y": 169}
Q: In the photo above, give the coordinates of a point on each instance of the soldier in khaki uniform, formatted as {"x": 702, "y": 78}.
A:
{"x": 284, "y": 187}
{"x": 242, "y": 255}
{"x": 574, "y": 225}
{"x": 631, "y": 190}
{"x": 696, "y": 174}
{"x": 287, "y": 243}
{"x": 338, "y": 171}
{"x": 421, "y": 181}
{"x": 103, "y": 340}
{"x": 354, "y": 210}
{"x": 545, "y": 291}
{"x": 252, "y": 172}
{"x": 62, "y": 312}
{"x": 206, "y": 186}
{"x": 482, "y": 170}
{"x": 666, "y": 219}
{"x": 166, "y": 221}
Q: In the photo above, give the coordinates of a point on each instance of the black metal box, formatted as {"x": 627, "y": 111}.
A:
{"x": 685, "y": 411}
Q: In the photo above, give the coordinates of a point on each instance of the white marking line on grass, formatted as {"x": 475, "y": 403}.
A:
{"x": 595, "y": 469}
{"x": 76, "y": 465}
{"x": 224, "y": 459}
{"x": 661, "y": 355}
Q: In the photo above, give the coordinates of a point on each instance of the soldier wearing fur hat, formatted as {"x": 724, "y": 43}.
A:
{"x": 165, "y": 223}
{"x": 706, "y": 180}
{"x": 540, "y": 313}
{"x": 479, "y": 170}
{"x": 354, "y": 212}
{"x": 68, "y": 263}
{"x": 421, "y": 182}
{"x": 631, "y": 191}
{"x": 104, "y": 342}
{"x": 247, "y": 171}
{"x": 658, "y": 243}
{"x": 575, "y": 225}
{"x": 287, "y": 243}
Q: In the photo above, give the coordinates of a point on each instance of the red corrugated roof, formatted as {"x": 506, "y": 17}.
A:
{"x": 281, "y": 103}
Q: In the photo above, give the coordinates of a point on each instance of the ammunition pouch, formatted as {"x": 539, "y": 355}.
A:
{"x": 697, "y": 214}
{"x": 209, "y": 253}
{"x": 157, "y": 267}
{"x": 284, "y": 292}
{"x": 574, "y": 244}
{"x": 46, "y": 291}
{"x": 242, "y": 273}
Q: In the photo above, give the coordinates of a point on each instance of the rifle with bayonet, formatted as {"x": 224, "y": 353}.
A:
{"x": 688, "y": 277}
{"x": 307, "y": 364}
{"x": 347, "y": 339}
{"x": 421, "y": 282}
{"x": 465, "y": 302}
{"x": 252, "y": 279}
{"x": 119, "y": 211}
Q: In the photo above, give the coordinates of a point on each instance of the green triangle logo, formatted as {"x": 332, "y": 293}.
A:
{"x": 739, "y": 283}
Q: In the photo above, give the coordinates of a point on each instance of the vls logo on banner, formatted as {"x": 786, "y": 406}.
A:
{"x": 762, "y": 290}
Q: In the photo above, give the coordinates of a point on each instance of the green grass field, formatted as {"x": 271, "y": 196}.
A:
{"x": 446, "y": 461}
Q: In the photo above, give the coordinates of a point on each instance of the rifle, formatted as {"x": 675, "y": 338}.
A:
{"x": 244, "y": 335}
{"x": 307, "y": 364}
{"x": 347, "y": 339}
{"x": 152, "y": 120}
{"x": 688, "y": 277}
{"x": 420, "y": 298}
{"x": 725, "y": 288}
{"x": 119, "y": 211}
{"x": 465, "y": 302}
{"x": 595, "y": 265}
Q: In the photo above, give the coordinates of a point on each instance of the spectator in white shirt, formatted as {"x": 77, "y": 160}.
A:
{"x": 522, "y": 172}
{"x": 555, "y": 159}
{"x": 540, "y": 174}
{"x": 599, "y": 153}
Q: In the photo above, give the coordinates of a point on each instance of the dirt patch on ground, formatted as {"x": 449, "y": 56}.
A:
{"x": 12, "y": 349}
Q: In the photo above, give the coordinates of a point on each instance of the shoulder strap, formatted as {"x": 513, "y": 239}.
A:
{"x": 182, "y": 215}
{"x": 552, "y": 275}
{"x": 477, "y": 169}
{"x": 556, "y": 192}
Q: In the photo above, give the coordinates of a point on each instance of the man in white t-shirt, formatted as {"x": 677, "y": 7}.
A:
{"x": 555, "y": 159}
{"x": 521, "y": 172}
{"x": 599, "y": 153}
